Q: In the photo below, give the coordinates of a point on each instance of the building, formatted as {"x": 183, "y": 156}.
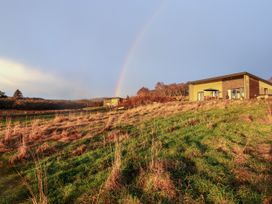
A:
{"x": 241, "y": 85}
{"x": 112, "y": 102}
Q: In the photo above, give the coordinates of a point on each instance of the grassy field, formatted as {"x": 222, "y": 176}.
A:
{"x": 212, "y": 152}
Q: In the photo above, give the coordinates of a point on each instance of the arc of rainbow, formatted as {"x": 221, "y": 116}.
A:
{"x": 133, "y": 49}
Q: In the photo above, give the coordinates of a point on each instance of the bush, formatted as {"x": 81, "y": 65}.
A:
{"x": 144, "y": 100}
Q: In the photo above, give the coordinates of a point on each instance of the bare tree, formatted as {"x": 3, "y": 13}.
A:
{"x": 143, "y": 91}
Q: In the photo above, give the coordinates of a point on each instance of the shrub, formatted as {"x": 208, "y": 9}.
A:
{"x": 144, "y": 100}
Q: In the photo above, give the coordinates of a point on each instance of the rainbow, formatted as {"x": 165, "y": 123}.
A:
{"x": 133, "y": 48}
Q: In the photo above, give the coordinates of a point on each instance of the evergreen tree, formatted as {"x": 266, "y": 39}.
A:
{"x": 3, "y": 94}
{"x": 18, "y": 94}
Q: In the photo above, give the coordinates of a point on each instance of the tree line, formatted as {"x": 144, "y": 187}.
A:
{"x": 164, "y": 90}
{"x": 17, "y": 94}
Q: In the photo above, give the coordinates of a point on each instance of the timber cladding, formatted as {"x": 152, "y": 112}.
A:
{"x": 232, "y": 84}
{"x": 253, "y": 87}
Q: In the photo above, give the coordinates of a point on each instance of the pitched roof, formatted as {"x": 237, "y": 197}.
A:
{"x": 227, "y": 77}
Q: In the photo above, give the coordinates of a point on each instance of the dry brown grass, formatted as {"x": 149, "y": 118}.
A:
{"x": 3, "y": 147}
{"x": 16, "y": 129}
{"x": 41, "y": 177}
{"x": 80, "y": 150}
{"x": 156, "y": 178}
{"x": 68, "y": 128}
{"x": 113, "y": 181}
{"x": 269, "y": 111}
{"x": 22, "y": 152}
{"x": 115, "y": 135}
{"x": 35, "y": 130}
{"x": 221, "y": 145}
{"x": 243, "y": 175}
{"x": 193, "y": 122}
{"x": 108, "y": 123}
{"x": 45, "y": 149}
{"x": 130, "y": 200}
{"x": 265, "y": 151}
{"x": 8, "y": 131}
{"x": 267, "y": 200}
{"x": 239, "y": 156}
{"x": 247, "y": 118}
{"x": 59, "y": 119}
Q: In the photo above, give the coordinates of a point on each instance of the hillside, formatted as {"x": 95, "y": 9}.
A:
{"x": 214, "y": 152}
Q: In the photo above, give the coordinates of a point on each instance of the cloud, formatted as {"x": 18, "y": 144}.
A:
{"x": 34, "y": 82}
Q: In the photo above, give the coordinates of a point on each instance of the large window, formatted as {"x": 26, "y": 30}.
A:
{"x": 200, "y": 96}
{"x": 215, "y": 93}
{"x": 265, "y": 91}
{"x": 237, "y": 93}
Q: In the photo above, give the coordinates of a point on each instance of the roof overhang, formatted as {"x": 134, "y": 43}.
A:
{"x": 228, "y": 77}
{"x": 211, "y": 90}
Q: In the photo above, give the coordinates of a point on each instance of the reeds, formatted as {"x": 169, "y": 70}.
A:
{"x": 22, "y": 152}
{"x": 41, "y": 179}
{"x": 156, "y": 178}
{"x": 8, "y": 131}
{"x": 79, "y": 150}
{"x": 108, "y": 124}
{"x": 269, "y": 111}
{"x": 114, "y": 178}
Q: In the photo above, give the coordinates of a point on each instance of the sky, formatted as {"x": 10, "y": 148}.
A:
{"x": 93, "y": 48}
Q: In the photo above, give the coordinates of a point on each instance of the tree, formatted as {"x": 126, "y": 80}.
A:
{"x": 270, "y": 79}
{"x": 18, "y": 94}
{"x": 159, "y": 86}
{"x": 143, "y": 91}
{"x": 3, "y": 94}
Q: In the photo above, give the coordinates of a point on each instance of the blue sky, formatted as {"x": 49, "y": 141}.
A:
{"x": 79, "y": 49}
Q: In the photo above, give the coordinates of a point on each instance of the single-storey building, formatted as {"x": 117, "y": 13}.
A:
{"x": 112, "y": 102}
{"x": 241, "y": 85}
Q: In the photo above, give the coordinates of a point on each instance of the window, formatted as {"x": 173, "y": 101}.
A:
{"x": 215, "y": 93}
{"x": 236, "y": 93}
{"x": 200, "y": 96}
{"x": 265, "y": 91}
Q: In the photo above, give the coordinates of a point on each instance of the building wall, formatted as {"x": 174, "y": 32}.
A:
{"x": 191, "y": 96}
{"x": 263, "y": 85}
{"x": 246, "y": 86}
{"x": 111, "y": 102}
{"x": 253, "y": 87}
{"x": 232, "y": 84}
{"x": 195, "y": 88}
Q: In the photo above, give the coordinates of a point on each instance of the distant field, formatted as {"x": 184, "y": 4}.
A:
{"x": 28, "y": 108}
{"x": 212, "y": 152}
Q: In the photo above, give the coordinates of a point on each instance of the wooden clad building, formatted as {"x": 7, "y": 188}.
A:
{"x": 241, "y": 85}
{"x": 112, "y": 102}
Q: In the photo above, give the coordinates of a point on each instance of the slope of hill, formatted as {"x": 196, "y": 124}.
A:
{"x": 217, "y": 152}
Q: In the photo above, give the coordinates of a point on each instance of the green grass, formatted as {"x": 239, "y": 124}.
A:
{"x": 196, "y": 146}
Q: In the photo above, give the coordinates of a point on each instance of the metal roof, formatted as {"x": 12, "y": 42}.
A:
{"x": 228, "y": 77}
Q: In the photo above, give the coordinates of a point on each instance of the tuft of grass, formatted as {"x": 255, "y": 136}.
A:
{"x": 129, "y": 199}
{"x": 79, "y": 150}
{"x": 156, "y": 180}
{"x": 22, "y": 152}
{"x": 113, "y": 181}
{"x": 41, "y": 181}
{"x": 269, "y": 111}
{"x": 8, "y": 131}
